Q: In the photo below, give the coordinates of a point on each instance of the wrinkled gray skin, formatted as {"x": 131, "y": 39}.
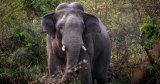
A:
{"x": 69, "y": 26}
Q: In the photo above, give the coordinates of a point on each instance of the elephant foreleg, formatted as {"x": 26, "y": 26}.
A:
{"x": 54, "y": 63}
{"x": 85, "y": 71}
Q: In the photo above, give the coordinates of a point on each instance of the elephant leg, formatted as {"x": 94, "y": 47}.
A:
{"x": 100, "y": 69}
{"x": 93, "y": 78}
{"x": 85, "y": 71}
{"x": 54, "y": 65}
{"x": 54, "y": 62}
{"x": 55, "y": 68}
{"x": 101, "y": 75}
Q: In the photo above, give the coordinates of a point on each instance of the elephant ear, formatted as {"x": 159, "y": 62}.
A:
{"x": 48, "y": 24}
{"x": 91, "y": 24}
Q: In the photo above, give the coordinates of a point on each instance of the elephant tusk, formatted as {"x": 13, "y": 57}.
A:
{"x": 63, "y": 48}
{"x": 84, "y": 48}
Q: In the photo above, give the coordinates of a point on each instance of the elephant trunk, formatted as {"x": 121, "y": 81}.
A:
{"x": 72, "y": 46}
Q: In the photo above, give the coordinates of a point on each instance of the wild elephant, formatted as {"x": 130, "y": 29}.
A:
{"x": 74, "y": 36}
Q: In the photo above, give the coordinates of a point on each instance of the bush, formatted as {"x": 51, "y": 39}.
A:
{"x": 151, "y": 31}
{"x": 23, "y": 55}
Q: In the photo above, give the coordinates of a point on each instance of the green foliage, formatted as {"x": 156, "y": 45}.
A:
{"x": 22, "y": 46}
{"x": 40, "y": 6}
{"x": 27, "y": 57}
{"x": 151, "y": 31}
{"x": 33, "y": 44}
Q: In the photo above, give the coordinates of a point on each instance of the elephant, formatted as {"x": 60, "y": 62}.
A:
{"x": 73, "y": 36}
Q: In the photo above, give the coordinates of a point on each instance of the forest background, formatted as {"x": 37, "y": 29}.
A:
{"x": 133, "y": 25}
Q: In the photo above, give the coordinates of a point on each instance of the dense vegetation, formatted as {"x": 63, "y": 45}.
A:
{"x": 133, "y": 25}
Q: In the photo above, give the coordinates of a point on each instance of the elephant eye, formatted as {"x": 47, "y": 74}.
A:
{"x": 60, "y": 26}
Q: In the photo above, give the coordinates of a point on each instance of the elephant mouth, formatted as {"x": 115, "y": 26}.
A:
{"x": 72, "y": 42}
{"x": 64, "y": 48}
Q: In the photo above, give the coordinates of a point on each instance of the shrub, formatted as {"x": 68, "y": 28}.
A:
{"x": 26, "y": 60}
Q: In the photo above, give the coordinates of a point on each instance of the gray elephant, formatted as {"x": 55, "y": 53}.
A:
{"x": 74, "y": 36}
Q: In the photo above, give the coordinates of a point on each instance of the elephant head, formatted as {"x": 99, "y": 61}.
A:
{"x": 70, "y": 24}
